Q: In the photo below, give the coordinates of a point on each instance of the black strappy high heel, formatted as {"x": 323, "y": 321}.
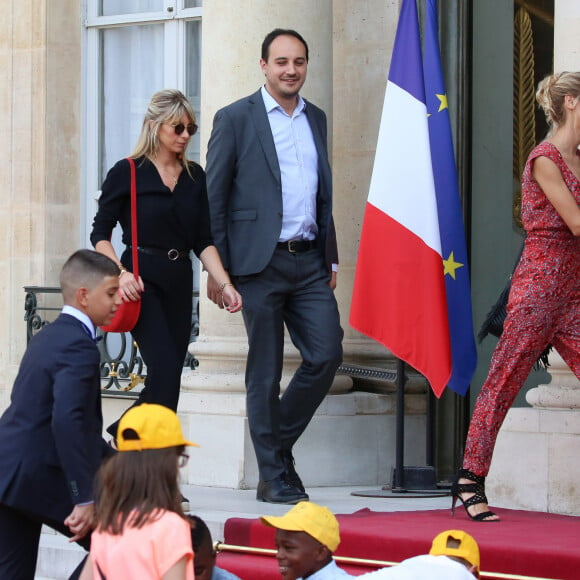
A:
{"x": 478, "y": 491}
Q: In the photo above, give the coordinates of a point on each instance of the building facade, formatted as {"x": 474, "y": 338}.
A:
{"x": 77, "y": 77}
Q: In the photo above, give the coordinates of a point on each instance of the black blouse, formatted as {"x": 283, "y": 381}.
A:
{"x": 165, "y": 219}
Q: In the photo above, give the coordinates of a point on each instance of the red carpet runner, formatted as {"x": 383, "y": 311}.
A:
{"x": 523, "y": 543}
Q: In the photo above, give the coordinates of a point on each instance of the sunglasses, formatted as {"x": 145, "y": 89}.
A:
{"x": 180, "y": 128}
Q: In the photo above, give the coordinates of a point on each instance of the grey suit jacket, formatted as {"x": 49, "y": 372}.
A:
{"x": 245, "y": 188}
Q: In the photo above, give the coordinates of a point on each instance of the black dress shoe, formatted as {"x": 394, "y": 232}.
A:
{"x": 277, "y": 490}
{"x": 290, "y": 476}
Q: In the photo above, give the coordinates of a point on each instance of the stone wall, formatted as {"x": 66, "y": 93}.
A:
{"x": 40, "y": 144}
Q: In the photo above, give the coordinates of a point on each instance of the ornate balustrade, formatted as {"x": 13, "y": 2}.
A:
{"x": 122, "y": 368}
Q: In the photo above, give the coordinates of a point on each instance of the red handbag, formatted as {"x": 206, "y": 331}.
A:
{"x": 127, "y": 314}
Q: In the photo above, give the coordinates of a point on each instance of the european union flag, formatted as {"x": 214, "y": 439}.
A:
{"x": 453, "y": 246}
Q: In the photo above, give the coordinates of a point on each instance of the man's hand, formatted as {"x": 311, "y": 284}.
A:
{"x": 81, "y": 521}
{"x": 332, "y": 282}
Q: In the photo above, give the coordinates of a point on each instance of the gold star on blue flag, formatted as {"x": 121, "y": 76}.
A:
{"x": 450, "y": 265}
{"x": 442, "y": 102}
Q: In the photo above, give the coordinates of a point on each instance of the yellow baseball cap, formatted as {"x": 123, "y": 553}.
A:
{"x": 317, "y": 521}
{"x": 150, "y": 426}
{"x": 466, "y": 548}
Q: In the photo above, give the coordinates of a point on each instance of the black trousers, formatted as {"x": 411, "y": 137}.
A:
{"x": 163, "y": 331}
{"x": 19, "y": 540}
{"x": 293, "y": 291}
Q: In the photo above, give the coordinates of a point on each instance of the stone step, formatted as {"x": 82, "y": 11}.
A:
{"x": 352, "y": 435}
{"x": 57, "y": 557}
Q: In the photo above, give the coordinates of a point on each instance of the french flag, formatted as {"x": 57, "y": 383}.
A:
{"x": 399, "y": 296}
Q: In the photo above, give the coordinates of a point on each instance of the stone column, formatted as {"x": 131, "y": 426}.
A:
{"x": 214, "y": 394}
{"x": 231, "y": 52}
{"x": 363, "y": 37}
{"x": 350, "y": 44}
{"x": 545, "y": 479}
{"x": 563, "y": 392}
{"x": 40, "y": 96}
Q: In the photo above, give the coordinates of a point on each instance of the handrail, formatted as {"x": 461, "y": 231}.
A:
{"x": 223, "y": 547}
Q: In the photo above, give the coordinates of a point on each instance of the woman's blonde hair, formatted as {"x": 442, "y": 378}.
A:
{"x": 551, "y": 94}
{"x": 166, "y": 106}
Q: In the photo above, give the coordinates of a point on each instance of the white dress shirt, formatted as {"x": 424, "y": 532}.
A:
{"x": 298, "y": 160}
{"x": 82, "y": 317}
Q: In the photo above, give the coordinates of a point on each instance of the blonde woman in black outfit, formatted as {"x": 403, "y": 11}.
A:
{"x": 173, "y": 219}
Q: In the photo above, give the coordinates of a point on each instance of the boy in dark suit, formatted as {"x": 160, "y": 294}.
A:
{"x": 50, "y": 435}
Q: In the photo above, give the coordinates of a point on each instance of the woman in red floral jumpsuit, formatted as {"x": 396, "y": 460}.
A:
{"x": 544, "y": 301}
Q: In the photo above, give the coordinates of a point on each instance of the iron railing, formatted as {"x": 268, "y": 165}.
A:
{"x": 122, "y": 368}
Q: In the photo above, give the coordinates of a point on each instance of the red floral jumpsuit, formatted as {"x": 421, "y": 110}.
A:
{"x": 543, "y": 308}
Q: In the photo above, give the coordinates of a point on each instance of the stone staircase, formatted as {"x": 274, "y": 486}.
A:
{"x": 57, "y": 558}
{"x": 352, "y": 436}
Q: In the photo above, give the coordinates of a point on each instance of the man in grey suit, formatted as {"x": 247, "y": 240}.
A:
{"x": 270, "y": 192}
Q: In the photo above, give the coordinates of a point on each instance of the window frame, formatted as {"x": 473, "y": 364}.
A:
{"x": 174, "y": 18}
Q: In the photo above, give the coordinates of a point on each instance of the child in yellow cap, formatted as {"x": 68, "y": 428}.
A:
{"x": 454, "y": 555}
{"x": 141, "y": 529}
{"x": 306, "y": 537}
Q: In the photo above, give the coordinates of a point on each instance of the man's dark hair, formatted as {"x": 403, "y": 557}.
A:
{"x": 199, "y": 532}
{"x": 270, "y": 37}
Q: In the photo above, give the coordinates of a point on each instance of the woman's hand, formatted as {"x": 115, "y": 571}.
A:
{"x": 213, "y": 291}
{"x": 219, "y": 288}
{"x": 130, "y": 288}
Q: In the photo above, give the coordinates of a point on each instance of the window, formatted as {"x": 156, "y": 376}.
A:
{"x": 132, "y": 49}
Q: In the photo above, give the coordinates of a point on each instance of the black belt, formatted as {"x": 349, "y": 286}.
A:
{"x": 172, "y": 254}
{"x": 296, "y": 246}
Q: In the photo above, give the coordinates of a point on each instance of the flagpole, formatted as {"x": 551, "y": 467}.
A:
{"x": 423, "y": 313}
{"x": 407, "y": 481}
{"x": 430, "y": 430}
{"x": 398, "y": 479}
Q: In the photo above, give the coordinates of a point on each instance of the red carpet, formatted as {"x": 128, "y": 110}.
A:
{"x": 523, "y": 543}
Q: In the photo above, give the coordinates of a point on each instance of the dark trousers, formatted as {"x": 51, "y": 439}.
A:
{"x": 163, "y": 332}
{"x": 293, "y": 290}
{"x": 19, "y": 539}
